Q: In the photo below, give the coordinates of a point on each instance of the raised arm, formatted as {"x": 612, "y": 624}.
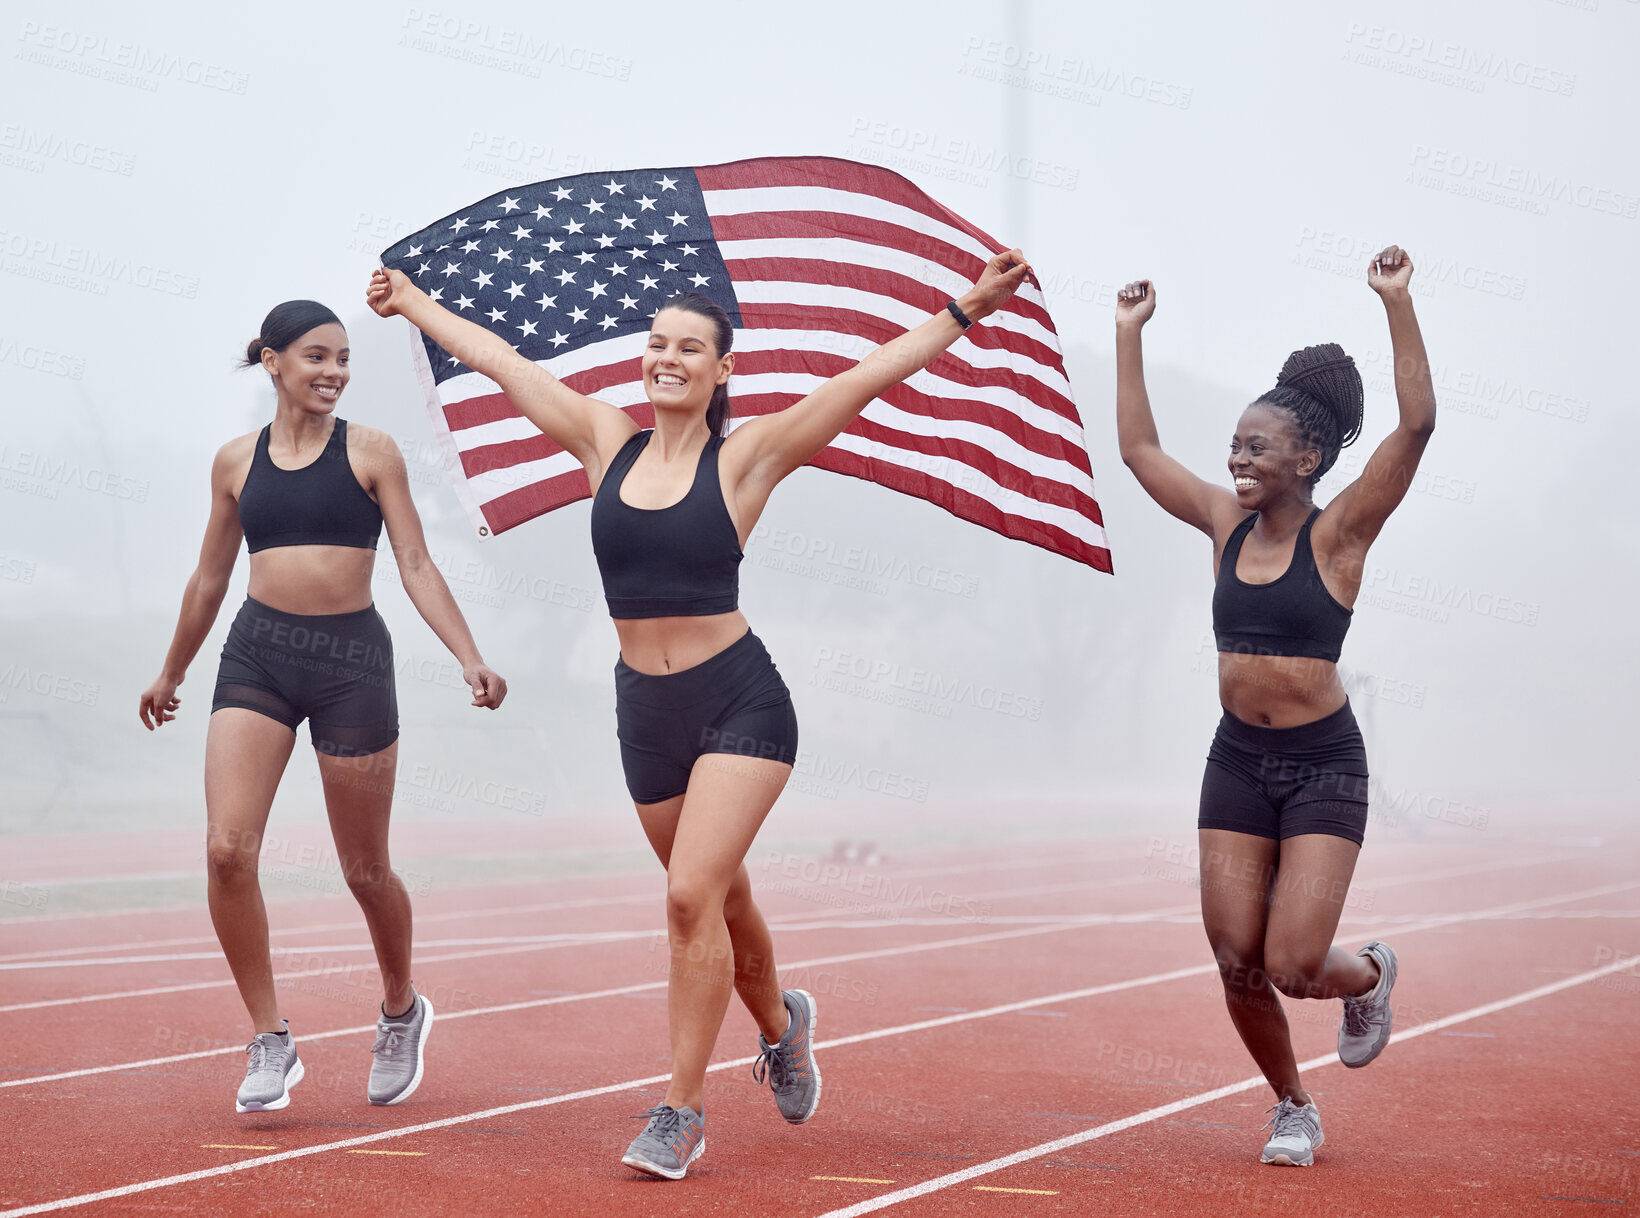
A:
{"x": 1359, "y": 511}
{"x": 420, "y": 576}
{"x": 771, "y": 446}
{"x": 1178, "y": 491}
{"x": 206, "y": 588}
{"x": 582, "y": 426}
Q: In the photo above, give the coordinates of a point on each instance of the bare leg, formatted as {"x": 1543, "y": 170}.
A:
{"x": 1237, "y": 870}
{"x": 727, "y": 801}
{"x": 245, "y": 754}
{"x": 359, "y": 799}
{"x": 1312, "y": 880}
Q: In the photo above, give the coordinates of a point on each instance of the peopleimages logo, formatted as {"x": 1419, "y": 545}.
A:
{"x": 1443, "y": 62}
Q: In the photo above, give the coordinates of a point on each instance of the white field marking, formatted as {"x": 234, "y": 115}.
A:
{"x": 514, "y": 910}
{"x": 526, "y": 1105}
{"x": 640, "y": 898}
{"x": 572, "y": 941}
{"x": 816, "y": 922}
{"x": 1247, "y": 1084}
{"x": 888, "y": 1199}
{"x": 569, "y": 939}
{"x": 531, "y": 1004}
{"x": 1437, "y": 921}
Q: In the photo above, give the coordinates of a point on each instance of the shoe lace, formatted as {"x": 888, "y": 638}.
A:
{"x": 773, "y": 1067}
{"x": 1356, "y": 1021}
{"x": 664, "y": 1122}
{"x": 257, "y": 1051}
{"x": 388, "y": 1039}
{"x": 1288, "y": 1118}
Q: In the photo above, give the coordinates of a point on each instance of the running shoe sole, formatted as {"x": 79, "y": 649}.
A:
{"x": 1283, "y": 1159}
{"x": 421, "y": 1057}
{"x": 655, "y": 1169}
{"x": 291, "y": 1079}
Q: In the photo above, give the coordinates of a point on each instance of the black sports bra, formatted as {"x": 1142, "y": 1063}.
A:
{"x": 321, "y": 504}
{"x": 1294, "y": 615}
{"x": 678, "y": 561}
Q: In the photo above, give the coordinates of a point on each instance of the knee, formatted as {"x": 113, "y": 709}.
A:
{"x": 1296, "y": 973}
{"x": 1241, "y": 964}
{"x": 368, "y": 881}
{"x": 690, "y": 900}
{"x": 228, "y": 866}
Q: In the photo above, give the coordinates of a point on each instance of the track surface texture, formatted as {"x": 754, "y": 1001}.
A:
{"x": 1032, "y": 1029}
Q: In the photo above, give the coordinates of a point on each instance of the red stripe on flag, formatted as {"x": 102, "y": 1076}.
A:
{"x": 811, "y": 225}
{"x": 895, "y": 286}
{"x": 527, "y": 502}
{"x": 878, "y": 331}
{"x": 515, "y": 507}
{"x": 965, "y": 506}
{"x": 834, "y": 174}
{"x": 1004, "y": 473}
{"x": 915, "y": 401}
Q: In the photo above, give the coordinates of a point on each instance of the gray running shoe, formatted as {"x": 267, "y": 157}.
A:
{"x": 396, "y": 1072}
{"x": 789, "y": 1066}
{"x": 1365, "y": 1030}
{"x": 273, "y": 1069}
{"x": 1295, "y": 1133}
{"x": 673, "y": 1139}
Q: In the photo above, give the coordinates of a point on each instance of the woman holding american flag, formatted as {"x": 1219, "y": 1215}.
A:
{"x": 706, "y": 727}
{"x": 1284, "y": 798}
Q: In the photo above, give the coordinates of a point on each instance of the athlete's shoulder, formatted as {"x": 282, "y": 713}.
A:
{"x": 240, "y": 448}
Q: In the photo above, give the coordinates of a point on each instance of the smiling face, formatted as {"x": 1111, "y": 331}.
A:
{"x": 681, "y": 364}
{"x": 1268, "y": 459}
{"x": 312, "y": 370}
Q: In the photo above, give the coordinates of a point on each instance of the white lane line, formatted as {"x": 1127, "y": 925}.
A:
{"x": 531, "y": 1004}
{"x": 1439, "y": 920}
{"x": 657, "y": 894}
{"x": 881, "y": 1202}
{"x": 44, "y": 959}
{"x": 490, "y": 1113}
{"x": 1247, "y": 1084}
{"x": 528, "y": 943}
{"x": 779, "y": 888}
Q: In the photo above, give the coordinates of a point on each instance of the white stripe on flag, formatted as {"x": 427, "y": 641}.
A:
{"x": 863, "y": 254}
{"x": 502, "y": 431}
{"x": 747, "y": 200}
{"x": 831, "y": 296}
{"x": 630, "y": 346}
{"x": 966, "y": 478}
{"x": 962, "y": 476}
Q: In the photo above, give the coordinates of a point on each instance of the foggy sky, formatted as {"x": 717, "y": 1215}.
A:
{"x": 168, "y": 178}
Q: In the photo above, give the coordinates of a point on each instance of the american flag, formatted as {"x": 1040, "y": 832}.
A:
{"x": 817, "y": 261}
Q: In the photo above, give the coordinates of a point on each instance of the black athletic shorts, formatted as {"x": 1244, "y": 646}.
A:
{"x": 333, "y": 669}
{"x": 733, "y": 703}
{"x": 1282, "y": 781}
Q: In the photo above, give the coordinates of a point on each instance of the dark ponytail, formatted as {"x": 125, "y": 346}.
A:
{"x": 1320, "y": 387}
{"x": 286, "y": 323}
{"x": 717, "y": 410}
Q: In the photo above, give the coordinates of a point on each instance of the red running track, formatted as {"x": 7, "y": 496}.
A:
{"x": 1034, "y": 1032}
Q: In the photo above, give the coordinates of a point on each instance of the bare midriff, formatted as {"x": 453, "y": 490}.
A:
{"x": 1278, "y": 691}
{"x": 313, "y": 579}
{"x": 658, "y": 646}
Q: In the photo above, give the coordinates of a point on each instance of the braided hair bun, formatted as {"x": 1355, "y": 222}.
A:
{"x": 1320, "y": 387}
